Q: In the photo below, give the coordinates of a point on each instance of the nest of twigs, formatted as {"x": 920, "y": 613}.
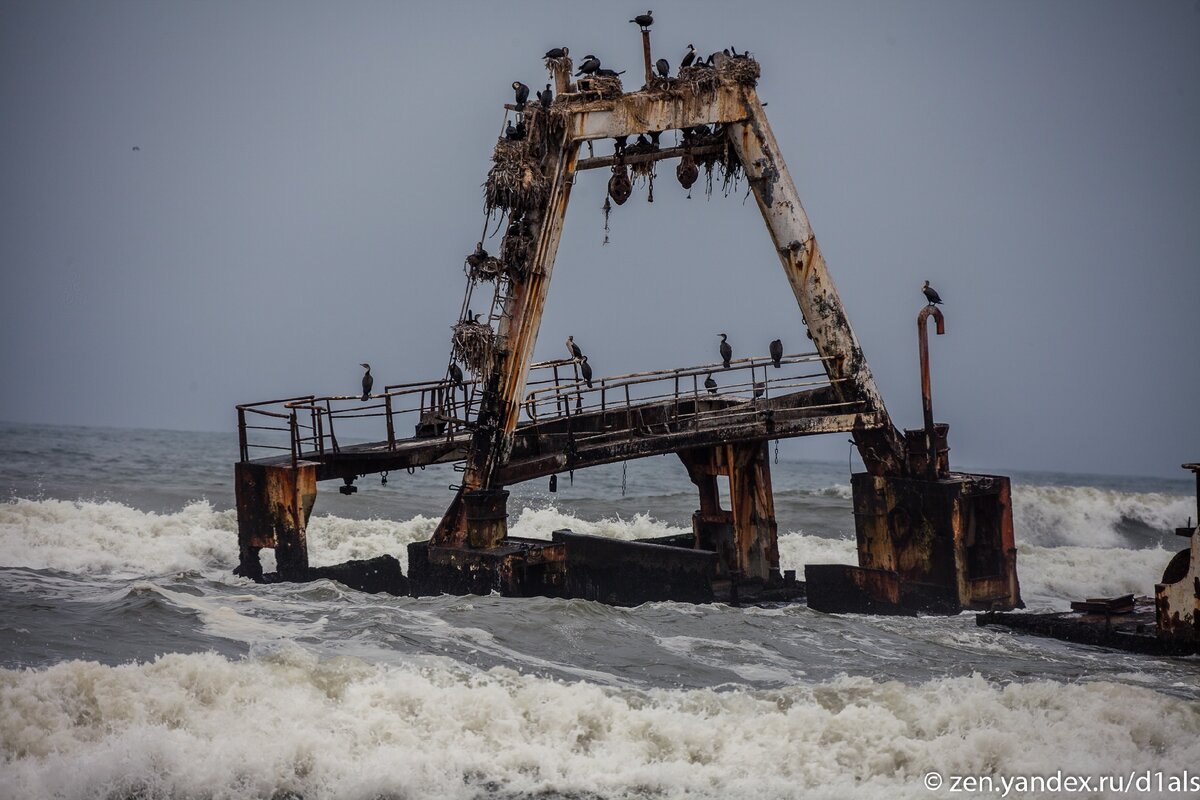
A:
{"x": 606, "y": 87}
{"x": 743, "y": 70}
{"x": 515, "y": 182}
{"x": 487, "y": 269}
{"x": 516, "y": 250}
{"x": 698, "y": 80}
{"x": 472, "y": 344}
{"x": 556, "y": 65}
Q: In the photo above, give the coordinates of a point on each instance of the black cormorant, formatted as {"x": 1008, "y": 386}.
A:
{"x": 760, "y": 388}
{"x": 522, "y": 93}
{"x": 644, "y": 21}
{"x": 589, "y": 65}
{"x": 931, "y": 295}
{"x": 368, "y": 382}
{"x": 546, "y": 97}
{"x": 664, "y": 68}
{"x": 456, "y": 376}
{"x": 777, "y": 352}
{"x": 573, "y": 349}
{"x": 515, "y": 133}
{"x": 612, "y": 73}
{"x": 586, "y": 370}
{"x": 726, "y": 351}
{"x": 557, "y": 52}
{"x": 479, "y": 256}
{"x": 710, "y": 384}
{"x": 688, "y": 57}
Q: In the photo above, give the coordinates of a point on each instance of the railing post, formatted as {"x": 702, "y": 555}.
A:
{"x": 391, "y": 431}
{"x": 295, "y": 438}
{"x": 243, "y": 449}
{"x": 319, "y": 428}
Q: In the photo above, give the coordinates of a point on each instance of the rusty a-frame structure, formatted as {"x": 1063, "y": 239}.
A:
{"x": 927, "y": 538}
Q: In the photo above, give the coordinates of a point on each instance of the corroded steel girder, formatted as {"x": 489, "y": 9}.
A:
{"x": 881, "y": 447}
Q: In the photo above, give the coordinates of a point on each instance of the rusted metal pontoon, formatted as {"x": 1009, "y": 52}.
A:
{"x": 928, "y": 538}
{"x": 1167, "y": 624}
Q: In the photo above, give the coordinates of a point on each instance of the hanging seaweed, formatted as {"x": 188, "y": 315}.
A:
{"x": 607, "y": 211}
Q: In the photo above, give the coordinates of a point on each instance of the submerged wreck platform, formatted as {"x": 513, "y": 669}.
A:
{"x": 1167, "y": 624}
{"x": 929, "y": 539}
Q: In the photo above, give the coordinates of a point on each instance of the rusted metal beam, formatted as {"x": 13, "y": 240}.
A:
{"x": 645, "y": 158}
{"x": 881, "y": 448}
{"x": 926, "y": 384}
{"x": 640, "y": 112}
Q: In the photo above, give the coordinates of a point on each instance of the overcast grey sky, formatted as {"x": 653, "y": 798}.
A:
{"x": 308, "y": 182}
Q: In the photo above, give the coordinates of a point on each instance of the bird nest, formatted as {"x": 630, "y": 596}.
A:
{"x": 515, "y": 182}
{"x": 606, "y": 87}
{"x": 515, "y": 250}
{"x": 697, "y": 80}
{"x": 487, "y": 269}
{"x": 743, "y": 70}
{"x": 557, "y": 65}
{"x": 472, "y": 344}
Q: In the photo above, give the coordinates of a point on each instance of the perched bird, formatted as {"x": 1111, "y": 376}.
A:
{"x": 931, "y": 294}
{"x": 612, "y": 73}
{"x": 760, "y": 388}
{"x": 586, "y": 369}
{"x": 726, "y": 351}
{"x": 557, "y": 52}
{"x": 368, "y": 382}
{"x": 777, "y": 352}
{"x": 664, "y": 68}
{"x": 573, "y": 349}
{"x": 479, "y": 256}
{"x": 546, "y": 97}
{"x": 710, "y": 384}
{"x": 688, "y": 57}
{"x": 589, "y": 65}
{"x": 619, "y": 143}
{"x": 644, "y": 21}
{"x": 522, "y": 93}
{"x": 515, "y": 133}
{"x": 456, "y": 376}
{"x": 654, "y": 137}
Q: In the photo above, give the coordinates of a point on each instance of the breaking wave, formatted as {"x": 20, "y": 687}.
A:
{"x": 107, "y": 538}
{"x": 1091, "y": 517}
{"x": 285, "y": 723}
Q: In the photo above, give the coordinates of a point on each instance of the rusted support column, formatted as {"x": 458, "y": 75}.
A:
{"x": 881, "y": 447}
{"x": 646, "y": 54}
{"x": 753, "y": 507}
{"x": 274, "y": 504}
{"x": 486, "y": 512}
{"x": 746, "y": 536}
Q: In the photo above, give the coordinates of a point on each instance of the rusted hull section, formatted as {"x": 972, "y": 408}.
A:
{"x": 932, "y": 546}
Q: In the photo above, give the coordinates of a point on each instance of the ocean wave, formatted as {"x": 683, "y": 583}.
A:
{"x": 1089, "y": 517}
{"x": 289, "y": 724}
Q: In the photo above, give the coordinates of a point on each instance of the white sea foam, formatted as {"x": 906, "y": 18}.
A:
{"x": 1091, "y": 517}
{"x": 207, "y": 727}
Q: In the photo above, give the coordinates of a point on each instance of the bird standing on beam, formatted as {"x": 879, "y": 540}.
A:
{"x": 522, "y": 93}
{"x": 777, "y": 352}
{"x": 367, "y": 382}
{"x": 710, "y": 384}
{"x": 644, "y": 21}
{"x": 688, "y": 57}
{"x": 586, "y": 370}
{"x": 663, "y": 67}
{"x": 557, "y": 52}
{"x": 573, "y": 349}
{"x": 931, "y": 295}
{"x": 726, "y": 351}
{"x": 589, "y": 65}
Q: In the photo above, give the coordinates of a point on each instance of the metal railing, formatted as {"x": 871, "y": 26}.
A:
{"x": 445, "y": 411}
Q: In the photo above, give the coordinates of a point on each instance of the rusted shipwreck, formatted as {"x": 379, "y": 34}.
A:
{"x": 928, "y": 538}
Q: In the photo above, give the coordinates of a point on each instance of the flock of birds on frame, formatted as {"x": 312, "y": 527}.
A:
{"x": 591, "y": 67}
